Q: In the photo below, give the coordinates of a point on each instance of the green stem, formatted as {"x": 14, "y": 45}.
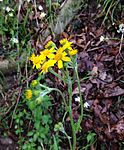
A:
{"x": 57, "y": 90}
{"x": 54, "y": 89}
{"x": 68, "y": 140}
{"x": 81, "y": 100}
{"x": 70, "y": 102}
{"x": 55, "y": 74}
{"x": 70, "y": 112}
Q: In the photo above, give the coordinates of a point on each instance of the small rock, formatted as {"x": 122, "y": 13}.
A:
{"x": 6, "y": 141}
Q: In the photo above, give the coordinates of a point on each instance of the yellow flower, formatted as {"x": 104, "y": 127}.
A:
{"x": 60, "y": 57}
{"x": 32, "y": 57}
{"x": 65, "y": 44}
{"x": 49, "y": 45}
{"x": 72, "y": 52}
{"x": 37, "y": 60}
{"x": 34, "y": 83}
{"x": 28, "y": 94}
{"x": 64, "y": 41}
{"x": 47, "y": 65}
{"x": 48, "y": 53}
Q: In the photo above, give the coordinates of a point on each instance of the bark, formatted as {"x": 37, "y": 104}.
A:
{"x": 7, "y": 66}
{"x": 66, "y": 14}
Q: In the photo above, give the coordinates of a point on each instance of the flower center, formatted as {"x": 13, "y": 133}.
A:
{"x": 58, "y": 57}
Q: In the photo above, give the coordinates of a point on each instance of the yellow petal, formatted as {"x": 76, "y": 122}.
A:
{"x": 51, "y": 63}
{"x": 73, "y": 52}
{"x": 69, "y": 48}
{"x": 66, "y": 59}
{"x": 48, "y": 44}
{"x": 64, "y": 54}
{"x": 52, "y": 50}
{"x": 47, "y": 65}
{"x": 38, "y": 66}
{"x": 51, "y": 56}
{"x": 60, "y": 64}
{"x": 44, "y": 68}
{"x": 63, "y": 41}
{"x": 42, "y": 57}
{"x": 60, "y": 50}
{"x": 32, "y": 57}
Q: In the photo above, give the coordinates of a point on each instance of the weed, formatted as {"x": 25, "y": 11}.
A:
{"x": 109, "y": 8}
{"x": 36, "y": 121}
{"x": 65, "y": 58}
{"x": 91, "y": 140}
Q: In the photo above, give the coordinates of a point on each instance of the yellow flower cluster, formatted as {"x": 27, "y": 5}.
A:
{"x": 52, "y": 55}
{"x": 28, "y": 94}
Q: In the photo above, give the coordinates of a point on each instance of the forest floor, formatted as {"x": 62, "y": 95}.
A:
{"x": 100, "y": 61}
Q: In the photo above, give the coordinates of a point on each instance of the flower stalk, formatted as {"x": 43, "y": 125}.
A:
{"x": 63, "y": 58}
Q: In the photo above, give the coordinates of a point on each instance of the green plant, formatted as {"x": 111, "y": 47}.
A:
{"x": 60, "y": 128}
{"x": 36, "y": 121}
{"x": 91, "y": 140}
{"x": 38, "y": 103}
{"x": 65, "y": 57}
{"x": 8, "y": 21}
{"x": 109, "y": 7}
{"x": 19, "y": 123}
{"x": 51, "y": 13}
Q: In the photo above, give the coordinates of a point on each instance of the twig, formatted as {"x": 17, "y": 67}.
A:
{"x": 121, "y": 42}
{"x": 25, "y": 81}
{"x": 35, "y": 7}
{"x": 19, "y": 8}
{"x": 26, "y": 70}
{"x": 20, "y": 90}
{"x": 5, "y": 113}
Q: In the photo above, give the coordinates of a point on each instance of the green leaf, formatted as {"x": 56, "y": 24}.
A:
{"x": 31, "y": 105}
{"x": 35, "y": 137}
{"x": 55, "y": 144}
{"x": 21, "y": 122}
{"x": 90, "y": 137}
{"x": 37, "y": 124}
{"x": 25, "y": 146}
{"x": 39, "y": 148}
{"x": 42, "y": 135}
{"x": 45, "y": 119}
{"x": 30, "y": 133}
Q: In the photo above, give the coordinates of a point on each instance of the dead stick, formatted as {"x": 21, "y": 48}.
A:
{"x": 20, "y": 90}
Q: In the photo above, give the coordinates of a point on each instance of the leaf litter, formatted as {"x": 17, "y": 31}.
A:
{"x": 104, "y": 68}
{"x": 98, "y": 60}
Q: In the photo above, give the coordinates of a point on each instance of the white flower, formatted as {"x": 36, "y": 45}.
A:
{"x": 1, "y": 0}
{"x": 11, "y": 14}
{"x": 8, "y": 9}
{"x": 121, "y": 28}
{"x": 28, "y": 1}
{"x": 40, "y": 7}
{"x": 77, "y": 99}
{"x": 102, "y": 38}
{"x": 86, "y": 105}
{"x": 15, "y": 40}
{"x": 42, "y": 15}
